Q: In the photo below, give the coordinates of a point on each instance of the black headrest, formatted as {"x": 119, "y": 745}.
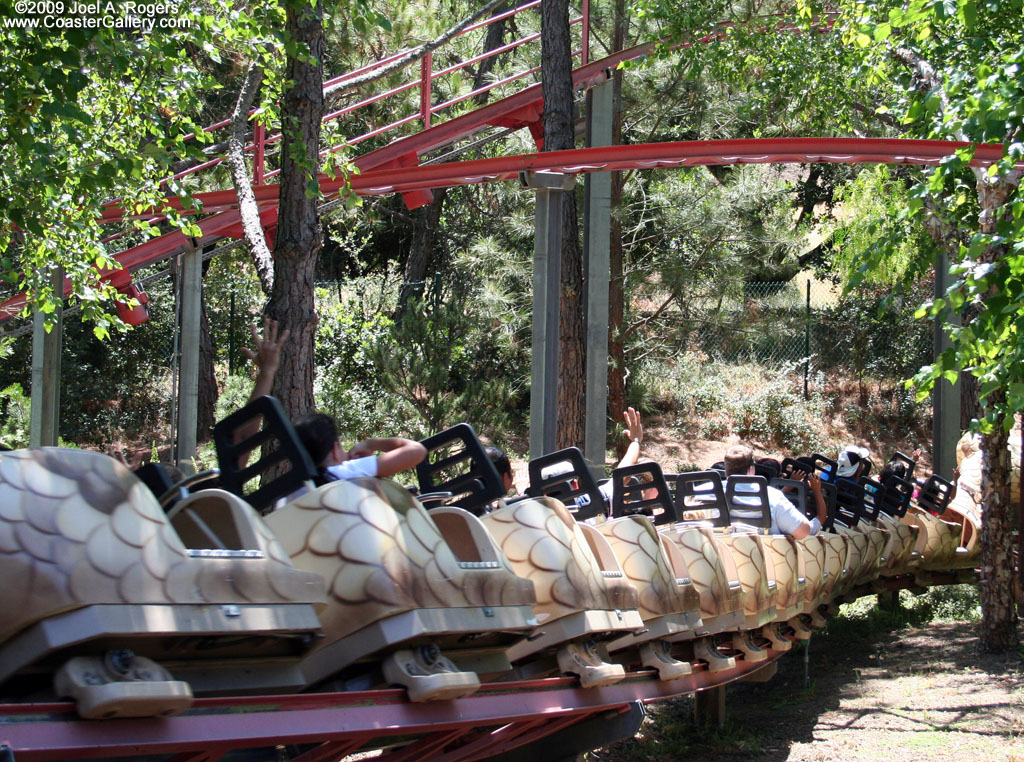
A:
{"x": 826, "y": 467}
{"x": 935, "y": 494}
{"x": 796, "y": 492}
{"x": 747, "y": 498}
{"x": 702, "y": 491}
{"x": 564, "y": 475}
{"x": 849, "y": 502}
{"x": 897, "y": 496}
{"x": 285, "y": 447}
{"x": 628, "y": 486}
{"x": 456, "y": 463}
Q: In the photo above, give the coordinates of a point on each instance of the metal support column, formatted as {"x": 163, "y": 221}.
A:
{"x": 709, "y": 707}
{"x": 46, "y": 351}
{"x": 946, "y": 396}
{"x": 550, "y": 188}
{"x": 188, "y": 387}
{"x": 596, "y": 245}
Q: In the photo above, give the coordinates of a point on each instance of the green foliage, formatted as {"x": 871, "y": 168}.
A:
{"x": 87, "y": 115}
{"x": 233, "y": 395}
{"x": 872, "y": 332}
{"x": 111, "y": 391}
{"x": 447, "y": 365}
{"x": 874, "y": 217}
{"x": 863, "y": 619}
{"x": 764, "y": 405}
{"x": 347, "y": 385}
{"x": 970, "y": 55}
{"x": 15, "y": 412}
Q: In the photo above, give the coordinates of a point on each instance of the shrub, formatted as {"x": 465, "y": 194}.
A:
{"x": 15, "y": 412}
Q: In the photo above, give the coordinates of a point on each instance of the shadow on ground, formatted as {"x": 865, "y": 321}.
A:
{"x": 867, "y": 694}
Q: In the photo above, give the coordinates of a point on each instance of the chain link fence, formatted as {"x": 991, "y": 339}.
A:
{"x": 809, "y": 323}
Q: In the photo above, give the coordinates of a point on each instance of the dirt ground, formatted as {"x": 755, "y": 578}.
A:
{"x": 910, "y": 695}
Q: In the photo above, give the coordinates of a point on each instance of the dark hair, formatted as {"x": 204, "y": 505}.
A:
{"x": 894, "y": 469}
{"x": 318, "y": 434}
{"x": 499, "y": 459}
{"x": 738, "y": 459}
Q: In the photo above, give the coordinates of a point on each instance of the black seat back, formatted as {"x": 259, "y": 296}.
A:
{"x": 456, "y": 463}
{"x": 155, "y": 476}
{"x": 702, "y": 491}
{"x": 747, "y": 498}
{"x": 564, "y": 475}
{"x": 898, "y": 493}
{"x": 795, "y": 491}
{"x": 826, "y": 467}
{"x": 829, "y": 492}
{"x": 768, "y": 470}
{"x": 629, "y": 484}
{"x": 907, "y": 461}
{"x": 275, "y": 430}
{"x": 789, "y": 465}
{"x": 849, "y": 502}
{"x": 935, "y": 495}
{"x": 874, "y": 497}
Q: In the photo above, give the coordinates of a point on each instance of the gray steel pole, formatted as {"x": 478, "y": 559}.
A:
{"x": 550, "y": 188}
{"x": 596, "y": 257}
{"x": 946, "y": 396}
{"x": 46, "y": 354}
{"x": 188, "y": 388}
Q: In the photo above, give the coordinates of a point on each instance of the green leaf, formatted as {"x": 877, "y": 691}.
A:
{"x": 968, "y": 13}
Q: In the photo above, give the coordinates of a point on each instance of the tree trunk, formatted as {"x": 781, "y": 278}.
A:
{"x": 423, "y": 236}
{"x": 429, "y": 217}
{"x": 248, "y": 209}
{"x": 616, "y": 285}
{"x": 299, "y": 240}
{"x": 970, "y": 405}
{"x": 559, "y": 134}
{"x": 998, "y": 617}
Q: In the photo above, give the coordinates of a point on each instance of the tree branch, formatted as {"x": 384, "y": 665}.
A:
{"x": 412, "y": 56}
{"x": 248, "y": 209}
{"x": 885, "y": 119}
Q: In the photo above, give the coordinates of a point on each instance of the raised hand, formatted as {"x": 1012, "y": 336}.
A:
{"x": 267, "y": 354}
{"x": 634, "y": 426}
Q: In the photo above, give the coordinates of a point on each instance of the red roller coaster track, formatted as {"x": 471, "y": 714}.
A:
{"x": 396, "y": 168}
{"x": 340, "y": 723}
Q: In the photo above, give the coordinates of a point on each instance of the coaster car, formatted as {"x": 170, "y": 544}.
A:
{"x": 410, "y": 601}
{"x": 398, "y": 590}
{"x": 112, "y": 593}
{"x": 582, "y": 597}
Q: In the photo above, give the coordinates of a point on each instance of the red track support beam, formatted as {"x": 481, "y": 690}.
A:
{"x": 426, "y": 88}
{"x": 332, "y": 750}
{"x": 41, "y": 732}
{"x": 427, "y": 747}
